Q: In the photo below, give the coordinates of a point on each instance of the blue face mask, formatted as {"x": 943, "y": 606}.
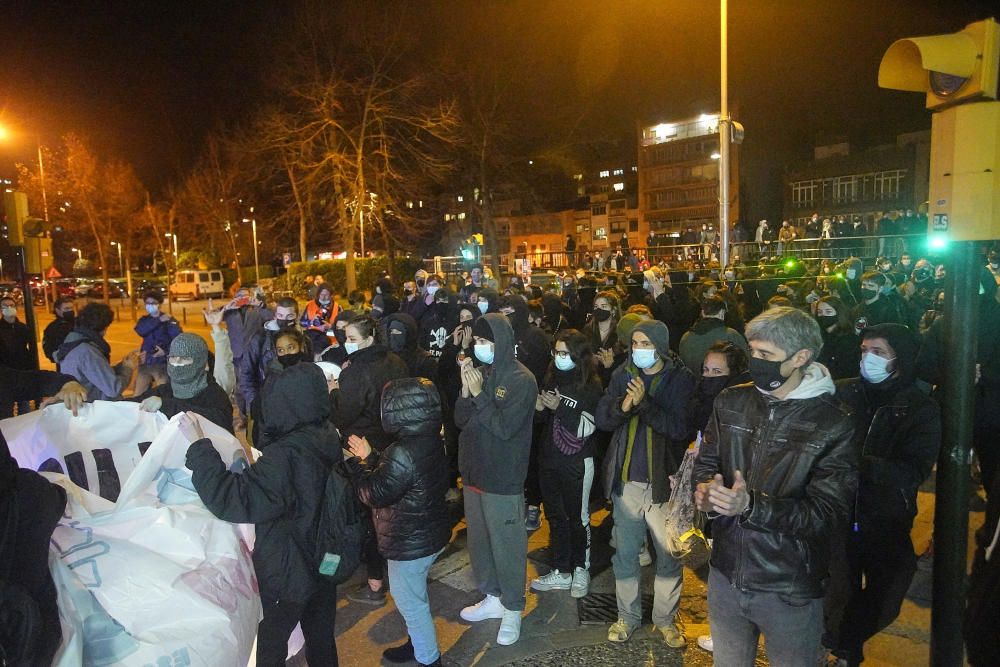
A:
{"x": 153, "y": 309}
{"x": 644, "y": 358}
{"x": 483, "y": 306}
{"x": 484, "y": 352}
{"x": 565, "y": 363}
{"x": 350, "y": 348}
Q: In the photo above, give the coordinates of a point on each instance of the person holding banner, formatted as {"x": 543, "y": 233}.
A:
{"x": 30, "y": 508}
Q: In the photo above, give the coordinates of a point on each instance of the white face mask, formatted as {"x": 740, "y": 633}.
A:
{"x": 644, "y": 358}
{"x": 565, "y": 363}
{"x": 875, "y": 369}
{"x": 851, "y": 273}
{"x": 484, "y": 352}
{"x": 483, "y": 306}
{"x": 431, "y": 289}
{"x": 153, "y": 309}
{"x": 9, "y": 313}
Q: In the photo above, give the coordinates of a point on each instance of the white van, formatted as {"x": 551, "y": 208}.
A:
{"x": 197, "y": 284}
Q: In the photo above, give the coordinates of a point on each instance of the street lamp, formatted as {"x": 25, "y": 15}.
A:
{"x": 174, "y": 236}
{"x": 79, "y": 253}
{"x": 256, "y": 261}
{"x": 121, "y": 268}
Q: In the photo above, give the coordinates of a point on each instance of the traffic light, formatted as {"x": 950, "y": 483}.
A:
{"x": 15, "y": 209}
{"x": 958, "y": 67}
{"x": 958, "y": 72}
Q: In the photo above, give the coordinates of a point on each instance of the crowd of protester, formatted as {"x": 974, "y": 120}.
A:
{"x": 810, "y": 387}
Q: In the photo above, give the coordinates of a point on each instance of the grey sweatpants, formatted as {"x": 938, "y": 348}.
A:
{"x": 498, "y": 545}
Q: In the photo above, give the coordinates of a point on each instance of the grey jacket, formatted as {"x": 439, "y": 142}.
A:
{"x": 89, "y": 366}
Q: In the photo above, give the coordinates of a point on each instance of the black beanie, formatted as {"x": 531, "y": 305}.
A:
{"x": 482, "y": 329}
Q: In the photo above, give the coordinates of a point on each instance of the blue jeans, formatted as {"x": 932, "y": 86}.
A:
{"x": 792, "y": 626}
{"x": 634, "y": 511}
{"x": 408, "y": 583}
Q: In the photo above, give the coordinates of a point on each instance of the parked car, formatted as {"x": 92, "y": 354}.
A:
{"x": 83, "y": 286}
{"x": 156, "y": 286}
{"x": 116, "y": 289}
{"x": 66, "y": 287}
{"x": 198, "y": 284}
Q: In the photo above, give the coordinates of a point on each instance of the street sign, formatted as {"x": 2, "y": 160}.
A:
{"x": 53, "y": 273}
{"x": 286, "y": 259}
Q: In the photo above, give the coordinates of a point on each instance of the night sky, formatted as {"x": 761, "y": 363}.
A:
{"x": 146, "y": 81}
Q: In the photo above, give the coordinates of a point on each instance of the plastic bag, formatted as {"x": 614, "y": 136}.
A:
{"x": 685, "y": 538}
{"x": 146, "y": 575}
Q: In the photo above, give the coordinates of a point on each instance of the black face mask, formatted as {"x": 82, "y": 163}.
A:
{"x": 826, "y": 321}
{"x": 397, "y": 342}
{"x": 869, "y": 294}
{"x": 601, "y": 315}
{"x": 285, "y": 324}
{"x": 340, "y": 335}
{"x": 710, "y": 387}
{"x": 68, "y": 317}
{"x": 767, "y": 374}
{"x": 420, "y": 283}
{"x": 291, "y": 359}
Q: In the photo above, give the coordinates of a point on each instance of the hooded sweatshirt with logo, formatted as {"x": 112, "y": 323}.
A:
{"x": 496, "y": 425}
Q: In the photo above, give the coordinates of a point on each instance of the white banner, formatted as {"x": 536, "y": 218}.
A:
{"x": 147, "y": 577}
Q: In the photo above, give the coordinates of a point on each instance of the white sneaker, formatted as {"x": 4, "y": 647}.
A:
{"x": 705, "y": 642}
{"x": 488, "y": 607}
{"x": 510, "y": 628}
{"x": 553, "y": 581}
{"x": 644, "y": 557}
{"x": 581, "y": 583}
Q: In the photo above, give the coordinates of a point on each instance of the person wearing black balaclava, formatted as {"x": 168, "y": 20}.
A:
{"x": 191, "y": 387}
{"x": 555, "y": 314}
{"x": 897, "y": 429}
{"x": 401, "y": 338}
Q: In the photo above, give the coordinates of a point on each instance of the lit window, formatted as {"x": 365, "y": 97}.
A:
{"x": 409, "y": 204}
{"x": 420, "y": 203}
{"x": 635, "y": 168}
{"x": 605, "y": 173}
{"x": 577, "y": 177}
{"x": 461, "y": 216}
{"x": 447, "y": 217}
{"x": 619, "y": 187}
{"x": 460, "y": 198}
{"x": 619, "y": 172}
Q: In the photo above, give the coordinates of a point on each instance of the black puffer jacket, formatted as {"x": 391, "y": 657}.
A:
{"x": 406, "y": 483}
{"x": 798, "y": 458}
{"x": 354, "y": 407}
{"x": 282, "y": 491}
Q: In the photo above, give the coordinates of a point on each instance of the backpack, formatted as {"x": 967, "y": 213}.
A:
{"x": 340, "y": 531}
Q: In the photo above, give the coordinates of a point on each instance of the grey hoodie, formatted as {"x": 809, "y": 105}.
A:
{"x": 495, "y": 443}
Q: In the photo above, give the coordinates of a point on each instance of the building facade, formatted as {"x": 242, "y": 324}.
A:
{"x": 678, "y": 175}
{"x": 841, "y": 180}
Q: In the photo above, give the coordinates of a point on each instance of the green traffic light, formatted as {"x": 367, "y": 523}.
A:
{"x": 790, "y": 263}
{"x": 937, "y": 242}
{"x": 840, "y": 274}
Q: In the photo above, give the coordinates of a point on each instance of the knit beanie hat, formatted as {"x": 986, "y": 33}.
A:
{"x": 188, "y": 381}
{"x": 625, "y": 326}
{"x": 658, "y": 334}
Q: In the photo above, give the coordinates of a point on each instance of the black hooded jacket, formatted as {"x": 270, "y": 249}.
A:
{"x": 30, "y": 508}
{"x": 496, "y": 425}
{"x": 533, "y": 346}
{"x": 419, "y": 362}
{"x": 406, "y": 483}
{"x": 282, "y": 491}
{"x": 355, "y": 406}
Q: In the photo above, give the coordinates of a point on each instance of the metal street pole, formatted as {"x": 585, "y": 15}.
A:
{"x": 724, "y": 139}
{"x": 256, "y": 261}
{"x": 951, "y": 504}
{"x": 41, "y": 178}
